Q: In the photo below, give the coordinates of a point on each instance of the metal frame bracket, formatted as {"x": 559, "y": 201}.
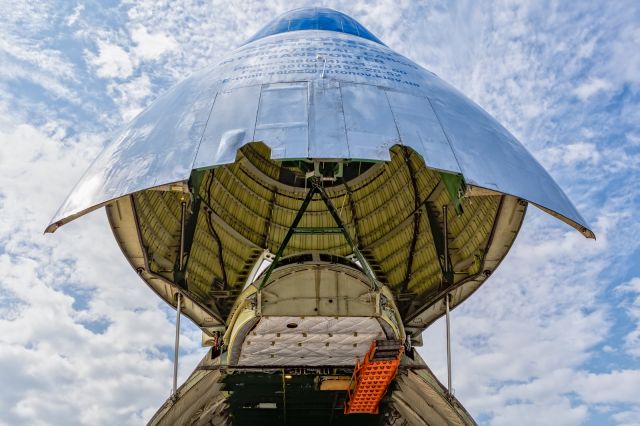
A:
{"x": 317, "y": 188}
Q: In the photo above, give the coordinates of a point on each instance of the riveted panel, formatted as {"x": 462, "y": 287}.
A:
{"x": 159, "y": 147}
{"x": 419, "y": 128}
{"x": 230, "y": 126}
{"x": 156, "y": 148}
{"x": 327, "y": 133}
{"x": 283, "y": 120}
{"x": 491, "y": 157}
{"x": 371, "y": 130}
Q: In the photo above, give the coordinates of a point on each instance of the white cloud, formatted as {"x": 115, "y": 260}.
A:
{"x": 632, "y": 339}
{"x": 29, "y": 60}
{"x": 152, "y": 46}
{"x": 32, "y": 17}
{"x": 131, "y": 96}
{"x": 33, "y": 53}
{"x": 15, "y": 73}
{"x": 592, "y": 87}
{"x": 73, "y": 18}
{"x": 112, "y": 61}
{"x": 627, "y": 418}
{"x": 623, "y": 63}
{"x": 61, "y": 370}
{"x": 632, "y": 286}
{"x": 521, "y": 342}
{"x": 82, "y": 340}
{"x": 571, "y": 155}
{"x": 620, "y": 386}
{"x": 560, "y": 412}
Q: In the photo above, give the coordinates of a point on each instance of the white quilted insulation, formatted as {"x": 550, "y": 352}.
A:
{"x": 316, "y": 341}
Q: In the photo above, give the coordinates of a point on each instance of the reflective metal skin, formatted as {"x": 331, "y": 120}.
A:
{"x": 310, "y": 193}
{"x": 291, "y": 90}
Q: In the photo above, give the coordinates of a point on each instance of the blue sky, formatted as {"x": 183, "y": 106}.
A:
{"x": 552, "y": 338}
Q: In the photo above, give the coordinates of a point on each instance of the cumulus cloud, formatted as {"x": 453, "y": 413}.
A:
{"x": 622, "y": 63}
{"x": 132, "y": 95}
{"x": 111, "y": 61}
{"x": 571, "y": 155}
{"x": 151, "y": 46}
{"x": 632, "y": 339}
{"x": 627, "y": 417}
{"x": 73, "y": 17}
{"x": 591, "y": 87}
{"x": 524, "y": 343}
{"x": 619, "y": 386}
{"x": 82, "y": 340}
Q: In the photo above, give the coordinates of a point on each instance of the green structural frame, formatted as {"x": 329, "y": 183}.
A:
{"x": 317, "y": 188}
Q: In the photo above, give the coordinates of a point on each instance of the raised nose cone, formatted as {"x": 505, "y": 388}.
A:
{"x": 431, "y": 189}
{"x": 311, "y": 193}
{"x": 314, "y": 18}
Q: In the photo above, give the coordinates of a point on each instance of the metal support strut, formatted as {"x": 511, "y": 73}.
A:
{"x": 174, "y": 389}
{"x": 174, "y": 392}
{"x": 284, "y": 399}
{"x": 183, "y": 209}
{"x": 446, "y": 299}
{"x": 448, "y": 280}
{"x": 316, "y": 188}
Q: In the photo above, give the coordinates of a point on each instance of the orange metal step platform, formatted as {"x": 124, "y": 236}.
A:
{"x": 372, "y": 378}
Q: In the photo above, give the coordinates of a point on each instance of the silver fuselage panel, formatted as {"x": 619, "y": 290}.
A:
{"x": 314, "y": 94}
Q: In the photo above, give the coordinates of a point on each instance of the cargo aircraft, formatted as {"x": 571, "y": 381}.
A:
{"x": 313, "y": 202}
